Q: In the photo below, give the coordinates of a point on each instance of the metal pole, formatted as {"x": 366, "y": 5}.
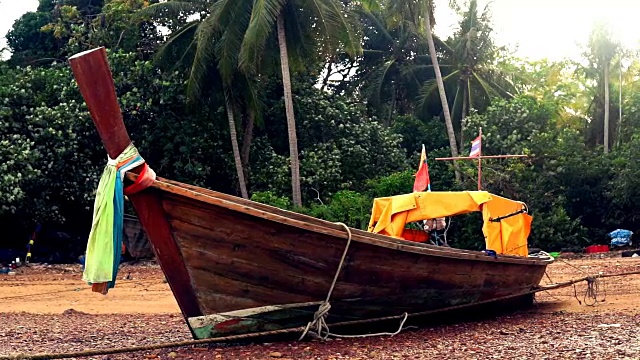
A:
{"x": 482, "y": 157}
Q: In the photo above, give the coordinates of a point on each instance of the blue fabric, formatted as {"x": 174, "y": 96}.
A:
{"x": 118, "y": 215}
{"x": 620, "y": 237}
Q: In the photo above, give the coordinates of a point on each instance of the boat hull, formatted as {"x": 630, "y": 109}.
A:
{"x": 256, "y": 268}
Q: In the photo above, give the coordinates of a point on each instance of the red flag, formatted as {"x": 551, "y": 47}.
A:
{"x": 422, "y": 176}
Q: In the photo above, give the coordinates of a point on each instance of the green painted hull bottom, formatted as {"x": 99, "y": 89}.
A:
{"x": 270, "y": 318}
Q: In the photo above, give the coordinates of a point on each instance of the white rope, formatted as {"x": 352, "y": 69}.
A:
{"x": 319, "y": 321}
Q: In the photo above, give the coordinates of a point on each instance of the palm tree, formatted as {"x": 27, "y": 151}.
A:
{"x": 302, "y": 29}
{"x": 195, "y": 45}
{"x": 429, "y": 23}
{"x": 390, "y": 72}
{"x": 415, "y": 11}
{"x": 473, "y": 77}
{"x": 601, "y": 50}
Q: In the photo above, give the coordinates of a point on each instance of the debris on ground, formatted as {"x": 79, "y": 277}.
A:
{"x": 557, "y": 327}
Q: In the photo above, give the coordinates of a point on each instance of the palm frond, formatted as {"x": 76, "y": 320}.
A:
{"x": 175, "y": 44}
{"x": 486, "y": 87}
{"x": 337, "y": 25}
{"x": 370, "y": 5}
{"x": 300, "y": 36}
{"x": 264, "y": 14}
{"x": 249, "y": 91}
{"x": 429, "y": 87}
{"x": 421, "y": 68}
{"x": 229, "y": 41}
{"x": 169, "y": 9}
{"x": 379, "y": 26}
{"x": 380, "y": 75}
{"x": 203, "y": 59}
{"x": 501, "y": 80}
{"x": 411, "y": 11}
{"x": 222, "y": 12}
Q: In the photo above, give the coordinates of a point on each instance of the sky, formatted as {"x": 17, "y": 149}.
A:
{"x": 10, "y": 10}
{"x": 540, "y": 29}
{"x": 550, "y": 29}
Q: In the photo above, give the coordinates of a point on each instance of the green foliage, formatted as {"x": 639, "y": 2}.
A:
{"x": 415, "y": 133}
{"x": 469, "y": 68}
{"x": 269, "y": 198}
{"x": 53, "y": 156}
{"x": 58, "y": 30}
{"x": 340, "y": 147}
{"x": 16, "y": 150}
{"x": 28, "y": 42}
{"x": 393, "y": 64}
{"x": 346, "y": 206}
{"x": 561, "y": 182}
{"x": 393, "y": 184}
{"x": 350, "y": 152}
{"x": 52, "y": 142}
{"x": 509, "y": 127}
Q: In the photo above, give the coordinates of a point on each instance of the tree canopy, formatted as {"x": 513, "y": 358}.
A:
{"x": 220, "y": 93}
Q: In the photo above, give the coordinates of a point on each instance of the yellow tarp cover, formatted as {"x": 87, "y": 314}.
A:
{"x": 507, "y": 236}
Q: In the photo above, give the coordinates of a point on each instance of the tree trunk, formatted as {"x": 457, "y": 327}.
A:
{"x": 291, "y": 121}
{"x": 392, "y": 106}
{"x": 247, "y": 138}
{"x": 619, "y": 127}
{"x": 465, "y": 110}
{"x": 606, "y": 108}
{"x": 443, "y": 96}
{"x": 234, "y": 146}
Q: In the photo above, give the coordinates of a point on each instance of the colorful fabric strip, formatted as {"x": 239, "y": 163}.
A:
{"x": 105, "y": 239}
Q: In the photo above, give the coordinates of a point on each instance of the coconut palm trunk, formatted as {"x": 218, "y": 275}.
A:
{"x": 465, "y": 110}
{"x": 247, "y": 139}
{"x": 443, "y": 96}
{"x": 234, "y": 146}
{"x": 291, "y": 121}
{"x": 606, "y": 107}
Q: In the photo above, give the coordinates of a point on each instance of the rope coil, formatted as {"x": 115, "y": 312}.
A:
{"x": 319, "y": 321}
{"x": 320, "y": 316}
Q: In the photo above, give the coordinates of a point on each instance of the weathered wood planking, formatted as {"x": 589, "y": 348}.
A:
{"x": 251, "y": 262}
{"x": 135, "y": 239}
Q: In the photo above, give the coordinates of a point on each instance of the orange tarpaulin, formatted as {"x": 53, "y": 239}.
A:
{"x": 508, "y": 235}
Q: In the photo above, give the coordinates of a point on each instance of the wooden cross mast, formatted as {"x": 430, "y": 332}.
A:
{"x": 479, "y": 157}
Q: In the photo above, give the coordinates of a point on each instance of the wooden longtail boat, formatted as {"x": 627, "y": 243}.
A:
{"x": 237, "y": 266}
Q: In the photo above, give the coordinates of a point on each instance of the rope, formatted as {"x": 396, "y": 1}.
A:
{"x": 590, "y": 297}
{"x": 98, "y": 352}
{"x": 320, "y": 316}
{"x": 500, "y": 218}
{"x": 573, "y": 266}
{"x": 75, "y": 289}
